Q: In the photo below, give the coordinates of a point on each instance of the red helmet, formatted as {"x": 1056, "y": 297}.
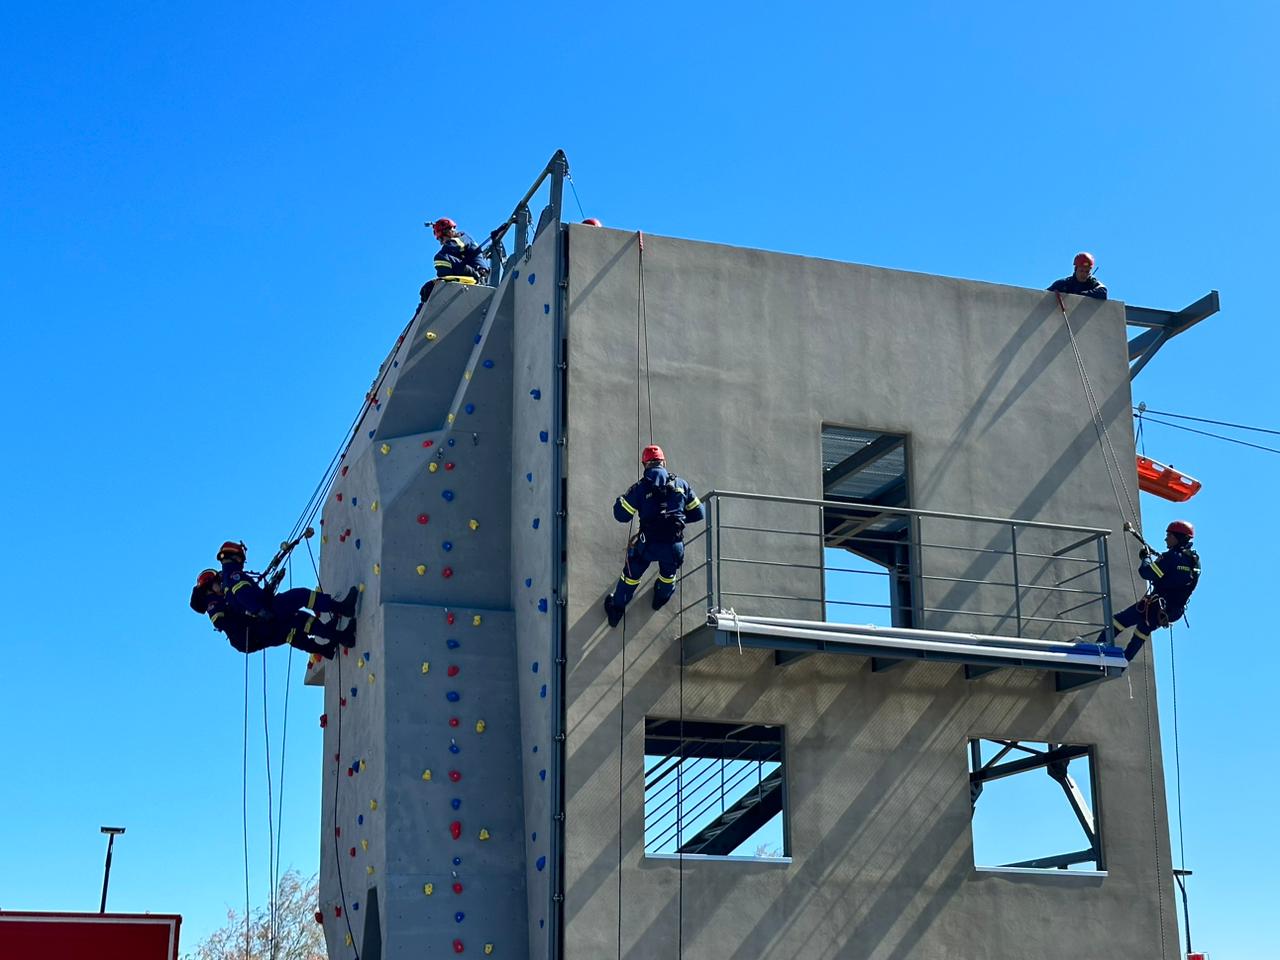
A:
{"x": 652, "y": 452}
{"x": 206, "y": 577}
{"x": 1182, "y": 528}
{"x": 231, "y": 550}
{"x": 1084, "y": 257}
{"x": 442, "y": 227}
{"x": 593, "y": 222}
{"x": 200, "y": 592}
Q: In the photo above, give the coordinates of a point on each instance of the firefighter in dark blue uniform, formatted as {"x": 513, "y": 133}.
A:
{"x": 1081, "y": 282}
{"x": 253, "y": 618}
{"x": 1173, "y": 577}
{"x": 459, "y": 259}
{"x": 663, "y": 503}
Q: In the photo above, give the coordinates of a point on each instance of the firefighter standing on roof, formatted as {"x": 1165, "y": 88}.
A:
{"x": 663, "y": 503}
{"x": 1173, "y": 577}
{"x": 458, "y": 260}
{"x": 1081, "y": 282}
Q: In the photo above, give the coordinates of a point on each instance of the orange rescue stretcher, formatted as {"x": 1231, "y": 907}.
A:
{"x": 1164, "y": 481}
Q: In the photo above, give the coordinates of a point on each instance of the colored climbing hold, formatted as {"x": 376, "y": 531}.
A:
{"x": 542, "y": 605}
{"x": 456, "y": 803}
{"x": 542, "y": 775}
{"x": 488, "y": 364}
{"x": 449, "y": 418}
{"x": 488, "y": 949}
{"x": 447, "y": 572}
{"x": 368, "y": 871}
{"x": 541, "y": 863}
{"x": 528, "y": 581}
{"x": 537, "y": 522}
{"x": 319, "y": 916}
{"x": 360, "y": 662}
{"x": 457, "y": 945}
{"x": 484, "y": 834}
{"x": 469, "y": 408}
{"x": 373, "y": 804}
{"x": 447, "y": 494}
{"x": 467, "y": 375}
{"x": 357, "y": 543}
{"x": 455, "y": 829}
{"x": 432, "y": 467}
{"x": 426, "y": 666}
{"x": 377, "y": 569}
{"x": 457, "y": 887}
{"x": 324, "y": 720}
{"x": 373, "y": 677}
{"x": 543, "y": 436}
{"x": 352, "y": 851}
{"x": 360, "y": 819}
{"x": 453, "y": 721}
{"x": 529, "y": 477}
{"x": 453, "y": 670}
{"x": 473, "y": 524}
{"x": 449, "y": 465}
{"x": 426, "y": 775}
{"x": 543, "y": 692}
{"x": 459, "y": 917}
{"x": 453, "y": 696}
{"x": 338, "y": 496}
{"x": 455, "y": 775}
{"x": 354, "y": 691}
{"x": 535, "y": 393}
{"x": 362, "y": 766}
{"x": 355, "y": 501}
{"x": 453, "y": 747}
{"x": 479, "y": 726}
{"x": 452, "y": 644}
{"x": 344, "y": 471}
{"x": 449, "y": 618}
{"x": 423, "y": 518}
{"x": 374, "y": 506}
{"x": 447, "y": 546}
{"x": 385, "y": 449}
{"x": 342, "y": 701}
{"x": 428, "y": 889}
{"x": 360, "y": 587}
{"x": 348, "y": 939}
{"x": 457, "y": 861}
{"x": 428, "y": 443}
{"x": 431, "y": 335}
{"x": 364, "y": 845}
{"x": 337, "y": 911}
{"x": 477, "y": 620}
{"x": 532, "y": 277}
{"x": 452, "y": 440}
{"x": 350, "y": 772}
{"x": 421, "y": 568}
{"x": 535, "y": 666}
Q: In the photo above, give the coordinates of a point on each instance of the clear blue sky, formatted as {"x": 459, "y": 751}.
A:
{"x": 211, "y": 230}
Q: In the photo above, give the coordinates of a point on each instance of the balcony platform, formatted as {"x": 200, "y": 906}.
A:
{"x": 1072, "y": 664}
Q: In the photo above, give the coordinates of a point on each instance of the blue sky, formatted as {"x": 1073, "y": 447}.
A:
{"x": 210, "y": 231}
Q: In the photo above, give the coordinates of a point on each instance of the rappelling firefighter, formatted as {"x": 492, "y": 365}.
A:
{"x": 663, "y": 503}
{"x": 459, "y": 259}
{"x": 1081, "y": 281}
{"x": 253, "y": 618}
{"x": 1173, "y": 576}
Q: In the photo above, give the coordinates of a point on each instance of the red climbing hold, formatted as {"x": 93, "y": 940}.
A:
{"x": 457, "y": 946}
{"x": 453, "y": 721}
{"x": 337, "y": 831}
{"x": 449, "y": 465}
{"x": 350, "y": 772}
{"x": 428, "y": 443}
{"x": 457, "y": 888}
{"x": 324, "y": 720}
{"x": 339, "y": 498}
{"x": 455, "y": 775}
{"x": 337, "y": 911}
{"x": 449, "y": 618}
{"x": 455, "y": 829}
{"x": 453, "y": 670}
{"x": 319, "y": 916}
{"x": 423, "y": 518}
{"x": 342, "y": 701}
{"x": 447, "y": 572}
{"x": 353, "y": 851}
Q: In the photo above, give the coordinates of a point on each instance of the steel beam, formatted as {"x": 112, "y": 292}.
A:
{"x": 1162, "y": 326}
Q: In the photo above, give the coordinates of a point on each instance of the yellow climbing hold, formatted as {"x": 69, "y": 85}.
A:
{"x": 484, "y": 834}
{"x": 467, "y": 375}
{"x": 432, "y": 467}
{"x": 431, "y": 335}
{"x": 360, "y": 588}
{"x": 373, "y": 804}
{"x": 479, "y": 726}
{"x": 377, "y": 569}
{"x": 385, "y": 449}
{"x": 426, "y": 666}
{"x": 428, "y": 888}
{"x": 364, "y": 844}
{"x": 488, "y": 949}
{"x": 348, "y": 939}
{"x": 374, "y": 506}
{"x": 473, "y": 524}
{"x": 369, "y": 870}
{"x": 324, "y": 538}
{"x": 362, "y": 766}
{"x": 476, "y": 620}
{"x": 390, "y": 391}
{"x": 421, "y": 568}
{"x": 360, "y": 663}
{"x": 450, "y": 418}
{"x": 426, "y": 775}
{"x": 373, "y": 677}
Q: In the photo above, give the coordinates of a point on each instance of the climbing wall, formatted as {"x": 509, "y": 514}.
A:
{"x": 424, "y": 834}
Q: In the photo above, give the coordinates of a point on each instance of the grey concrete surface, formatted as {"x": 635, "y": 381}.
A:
{"x": 751, "y": 353}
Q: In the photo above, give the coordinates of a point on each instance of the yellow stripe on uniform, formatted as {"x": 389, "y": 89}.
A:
{"x": 306, "y": 628}
{"x": 693, "y": 504}
{"x": 242, "y": 583}
{"x": 666, "y": 579}
{"x": 311, "y": 601}
{"x": 1155, "y": 568}
{"x": 289, "y": 638}
{"x": 214, "y": 618}
{"x": 629, "y": 582}
{"x": 627, "y": 507}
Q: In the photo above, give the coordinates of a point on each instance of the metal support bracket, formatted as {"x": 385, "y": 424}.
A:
{"x": 1162, "y": 326}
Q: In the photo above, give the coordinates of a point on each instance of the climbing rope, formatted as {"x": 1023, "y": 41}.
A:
{"x": 271, "y": 851}
{"x": 1104, "y": 443}
{"x": 244, "y": 801}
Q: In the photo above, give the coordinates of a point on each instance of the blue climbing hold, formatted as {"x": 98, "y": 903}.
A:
{"x": 488, "y": 364}
{"x": 537, "y": 522}
{"x": 535, "y": 748}
{"x": 354, "y": 691}
{"x": 541, "y": 864}
{"x": 542, "y": 921}
{"x": 446, "y": 546}
{"x": 454, "y": 748}
{"x": 453, "y": 696}
{"x": 395, "y": 364}
{"x": 354, "y": 501}
{"x": 478, "y": 338}
{"x": 357, "y": 543}
{"x": 533, "y": 837}
{"x": 452, "y": 644}
{"x": 542, "y": 605}
{"x": 360, "y": 819}
{"x": 459, "y": 916}
{"x": 516, "y": 275}
{"x": 528, "y": 581}
{"x": 469, "y": 408}
{"x": 457, "y": 861}
{"x": 447, "y": 494}
{"x": 367, "y": 656}
{"x": 356, "y": 905}
{"x": 535, "y": 666}
{"x": 370, "y": 434}
{"x": 543, "y": 692}
{"x": 456, "y": 803}
{"x": 543, "y": 436}
{"x": 529, "y": 477}
{"x": 535, "y": 393}
{"x": 452, "y": 441}
{"x": 532, "y": 277}
{"x": 542, "y": 774}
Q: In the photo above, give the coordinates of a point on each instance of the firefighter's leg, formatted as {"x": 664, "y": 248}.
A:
{"x": 329, "y": 631}
{"x": 300, "y": 624}
{"x": 670, "y": 559}
{"x": 637, "y": 562}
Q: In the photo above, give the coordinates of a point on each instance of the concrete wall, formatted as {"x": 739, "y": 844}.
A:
{"x": 751, "y": 352}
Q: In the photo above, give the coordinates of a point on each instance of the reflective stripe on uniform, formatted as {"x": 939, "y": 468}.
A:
{"x": 666, "y": 579}
{"x": 217, "y": 615}
{"x": 627, "y": 507}
{"x": 1155, "y": 568}
{"x": 469, "y": 281}
{"x": 306, "y": 628}
{"x": 242, "y": 583}
{"x": 693, "y": 504}
{"x": 289, "y": 638}
{"x": 311, "y": 601}
{"x": 629, "y": 582}
{"x": 444, "y": 263}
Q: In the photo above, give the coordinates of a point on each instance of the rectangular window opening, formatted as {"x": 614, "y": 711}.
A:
{"x": 1034, "y": 806}
{"x": 867, "y": 552}
{"x": 714, "y": 789}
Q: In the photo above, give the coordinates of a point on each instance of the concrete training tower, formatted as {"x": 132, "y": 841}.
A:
{"x": 753, "y": 771}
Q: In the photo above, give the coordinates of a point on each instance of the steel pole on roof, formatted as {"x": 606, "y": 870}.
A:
{"x": 1017, "y": 583}
{"x": 1104, "y": 575}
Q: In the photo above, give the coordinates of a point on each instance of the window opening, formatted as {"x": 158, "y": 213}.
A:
{"x": 714, "y": 789}
{"x": 1031, "y": 798}
{"x": 867, "y": 554}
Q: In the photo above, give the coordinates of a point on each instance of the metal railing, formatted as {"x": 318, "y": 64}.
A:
{"x": 781, "y": 556}
{"x": 557, "y": 169}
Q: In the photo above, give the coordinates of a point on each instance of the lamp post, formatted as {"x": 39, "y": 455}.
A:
{"x": 106, "y": 871}
{"x": 1180, "y": 876}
